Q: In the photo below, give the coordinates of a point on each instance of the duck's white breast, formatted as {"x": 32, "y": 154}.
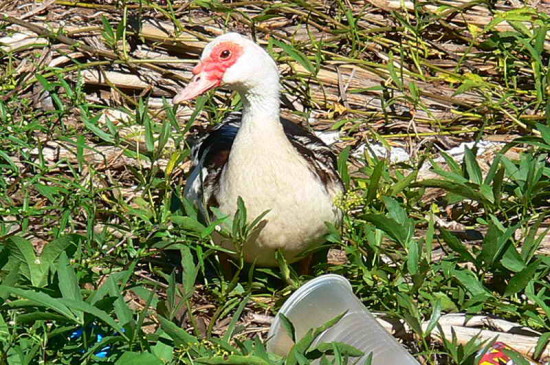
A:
{"x": 278, "y": 180}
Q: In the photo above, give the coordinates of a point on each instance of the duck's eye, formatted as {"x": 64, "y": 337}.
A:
{"x": 225, "y": 54}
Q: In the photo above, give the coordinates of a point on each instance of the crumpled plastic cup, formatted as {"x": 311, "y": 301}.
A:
{"x": 321, "y": 300}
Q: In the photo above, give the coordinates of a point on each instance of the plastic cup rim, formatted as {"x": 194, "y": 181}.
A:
{"x": 301, "y": 293}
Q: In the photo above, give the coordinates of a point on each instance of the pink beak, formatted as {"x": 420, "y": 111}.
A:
{"x": 199, "y": 84}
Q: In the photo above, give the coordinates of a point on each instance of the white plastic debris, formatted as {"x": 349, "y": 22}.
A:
{"x": 394, "y": 154}
{"x": 328, "y": 137}
{"x": 323, "y": 299}
{"x": 482, "y": 146}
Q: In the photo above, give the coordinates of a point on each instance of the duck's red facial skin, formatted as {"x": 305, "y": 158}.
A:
{"x": 223, "y": 56}
{"x": 209, "y": 72}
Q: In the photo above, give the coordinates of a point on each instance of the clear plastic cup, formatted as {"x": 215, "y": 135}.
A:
{"x": 324, "y": 298}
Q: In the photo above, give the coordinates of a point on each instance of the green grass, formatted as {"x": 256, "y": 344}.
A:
{"x": 110, "y": 247}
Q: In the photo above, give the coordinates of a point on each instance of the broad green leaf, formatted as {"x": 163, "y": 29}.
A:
{"x": 490, "y": 244}
{"x": 521, "y": 279}
{"x": 149, "y": 138}
{"x": 22, "y": 251}
{"x": 343, "y": 349}
{"x": 234, "y": 360}
{"x": 374, "y": 181}
{"x": 4, "y": 329}
{"x": 188, "y": 223}
{"x": 512, "y": 260}
{"x": 413, "y": 257}
{"x": 162, "y": 350}
{"x": 457, "y": 246}
{"x": 10, "y": 280}
{"x": 179, "y": 335}
{"x": 296, "y": 353}
{"x": 472, "y": 167}
{"x": 43, "y": 299}
{"x": 343, "y": 166}
{"x": 68, "y": 283}
{"x": 123, "y": 312}
{"x": 189, "y": 272}
{"x": 453, "y": 187}
{"x": 471, "y": 283}
{"x": 138, "y": 358}
{"x": 545, "y": 132}
{"x": 396, "y": 211}
{"x": 396, "y": 231}
{"x": 77, "y": 305}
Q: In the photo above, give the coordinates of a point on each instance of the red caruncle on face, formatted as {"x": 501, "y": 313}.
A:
{"x": 223, "y": 56}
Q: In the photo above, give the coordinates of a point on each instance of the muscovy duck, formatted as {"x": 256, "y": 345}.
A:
{"x": 271, "y": 163}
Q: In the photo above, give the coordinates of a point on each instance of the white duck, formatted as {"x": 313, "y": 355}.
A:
{"x": 272, "y": 164}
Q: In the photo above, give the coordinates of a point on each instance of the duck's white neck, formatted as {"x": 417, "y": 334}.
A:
{"x": 261, "y": 109}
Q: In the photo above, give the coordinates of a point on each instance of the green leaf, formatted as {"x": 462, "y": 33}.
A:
{"x": 138, "y": 358}
{"x": 453, "y": 187}
{"x": 122, "y": 310}
{"x": 288, "y": 326}
{"x": 457, "y": 246}
{"x": 21, "y": 250}
{"x": 521, "y": 279}
{"x": 176, "y": 333}
{"x": 10, "y": 280}
{"x": 413, "y": 257}
{"x": 396, "y": 231}
{"x": 4, "y": 330}
{"x": 489, "y": 247}
{"x": 44, "y": 82}
{"x": 296, "y": 353}
{"x": 234, "y": 360}
{"x": 512, "y": 260}
{"x": 374, "y": 181}
{"x": 77, "y": 305}
{"x": 162, "y": 350}
{"x": 294, "y": 54}
{"x": 397, "y": 80}
{"x": 236, "y": 316}
{"x": 471, "y": 283}
{"x": 343, "y": 348}
{"x": 545, "y": 132}
{"x": 188, "y": 223}
{"x": 343, "y": 166}
{"x": 149, "y": 138}
{"x": 9, "y": 160}
{"x": 434, "y": 318}
{"x": 189, "y": 272}
{"x": 515, "y": 357}
{"x": 472, "y": 167}
{"x": 43, "y": 299}
{"x": 92, "y": 125}
{"x": 542, "y": 343}
{"x": 403, "y": 183}
{"x": 108, "y": 32}
{"x": 396, "y": 211}
{"x": 68, "y": 283}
